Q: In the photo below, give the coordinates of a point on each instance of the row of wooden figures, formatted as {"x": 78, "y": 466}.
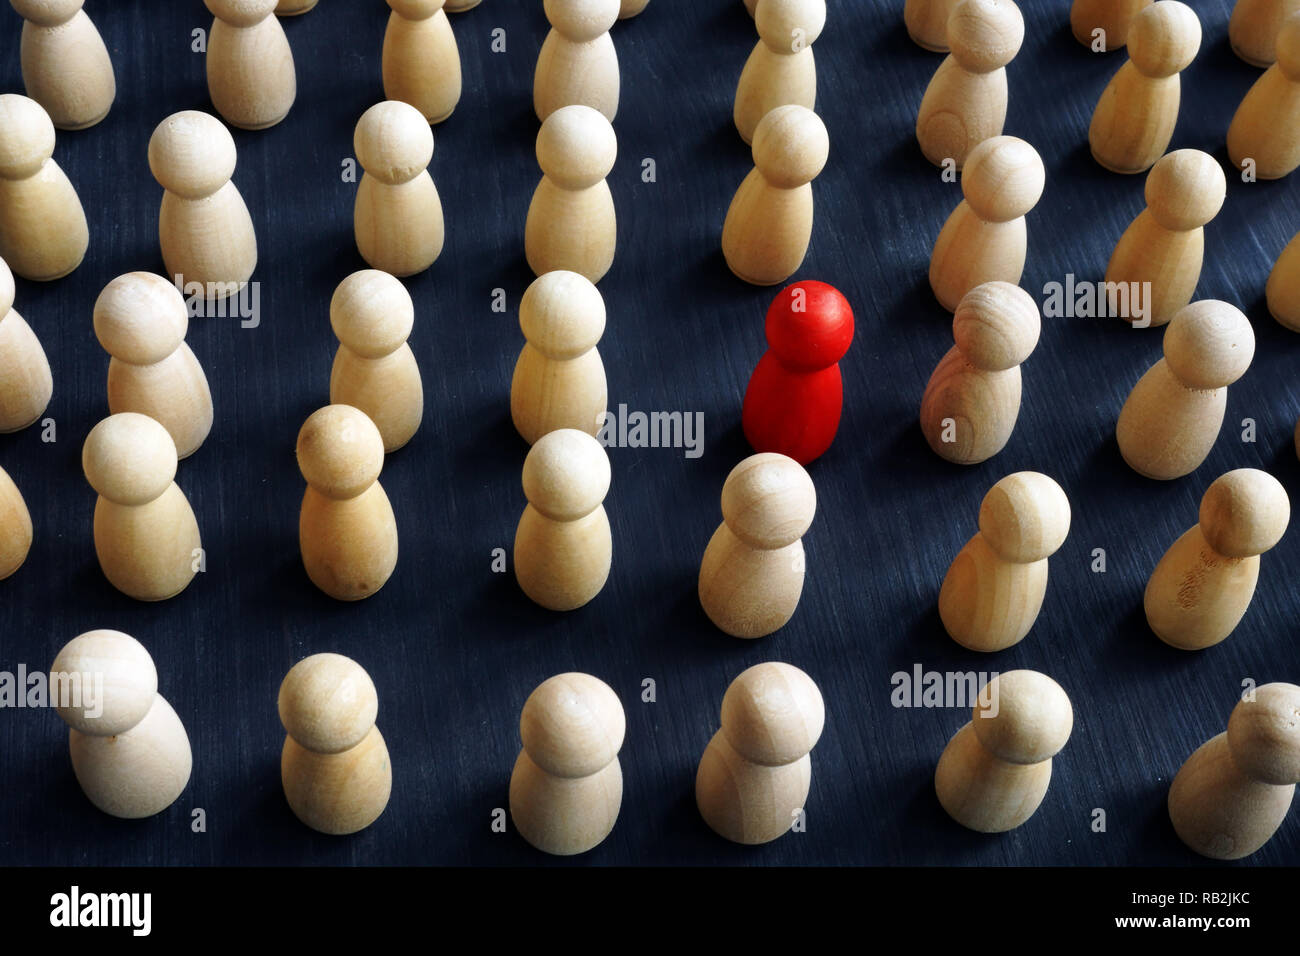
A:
{"x": 1134, "y": 120}
{"x": 250, "y": 70}
{"x": 132, "y": 758}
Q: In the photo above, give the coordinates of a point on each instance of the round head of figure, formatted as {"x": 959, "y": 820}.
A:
{"x": 790, "y": 26}
{"x": 103, "y": 683}
{"x": 340, "y": 451}
{"x": 790, "y": 146}
{"x": 1264, "y": 735}
{"x": 1164, "y": 38}
{"x": 1244, "y": 512}
{"x": 129, "y": 459}
{"x": 576, "y": 147}
{"x": 328, "y": 703}
{"x": 371, "y": 313}
{"x": 566, "y": 474}
{"x": 985, "y": 35}
{"x": 1023, "y": 717}
{"x": 1209, "y": 344}
{"x": 27, "y": 142}
{"x": 1185, "y": 189}
{"x": 192, "y": 154}
{"x": 562, "y": 315}
{"x": 1003, "y": 179}
{"x": 572, "y": 725}
{"x": 241, "y": 13}
{"x": 773, "y": 714}
{"x": 140, "y": 318}
{"x": 393, "y": 142}
{"x": 996, "y": 326}
{"x": 1025, "y": 517}
{"x": 768, "y": 501}
{"x": 581, "y": 20}
{"x": 809, "y": 325}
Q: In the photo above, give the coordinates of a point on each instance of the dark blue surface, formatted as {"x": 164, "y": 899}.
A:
{"x": 453, "y": 648}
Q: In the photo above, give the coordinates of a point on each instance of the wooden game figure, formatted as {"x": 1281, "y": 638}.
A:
{"x": 293, "y": 8}
{"x": 43, "y": 231}
{"x": 1233, "y": 793}
{"x": 1264, "y": 136}
{"x": 995, "y": 587}
{"x": 629, "y": 8}
{"x": 769, "y": 222}
{"x": 972, "y": 400}
{"x": 1113, "y": 18}
{"x": 25, "y": 380}
{"x": 1243, "y": 514}
{"x": 1282, "y": 291}
{"x": 966, "y": 101}
{"x": 398, "y": 215}
{"x": 251, "y": 76}
{"x": 1165, "y": 245}
{"x": 1136, "y": 114}
{"x": 753, "y": 780}
{"x": 374, "y": 369}
{"x": 1172, "y": 417}
{"x": 795, "y": 396}
{"x": 146, "y": 536}
{"x": 563, "y": 546}
{"x": 571, "y": 224}
{"x": 204, "y": 227}
{"x": 420, "y": 60}
{"x": 927, "y": 23}
{"x": 347, "y": 530}
{"x": 994, "y": 773}
{"x": 578, "y": 63}
{"x": 559, "y": 379}
{"x": 15, "y": 527}
{"x": 567, "y": 784}
{"x": 65, "y": 63}
{"x": 984, "y": 239}
{"x": 752, "y": 573}
{"x": 781, "y": 68}
{"x": 334, "y": 766}
{"x": 141, "y": 320}
{"x": 130, "y": 752}
{"x": 1254, "y": 26}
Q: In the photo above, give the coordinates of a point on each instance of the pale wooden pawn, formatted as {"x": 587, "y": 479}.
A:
{"x": 571, "y": 223}
{"x": 204, "y": 227}
{"x": 1253, "y": 29}
{"x": 420, "y": 60}
{"x": 559, "y": 379}
{"x": 753, "y": 779}
{"x": 567, "y": 784}
{"x": 346, "y": 529}
{"x": 1114, "y": 18}
{"x": 25, "y": 380}
{"x": 1170, "y": 420}
{"x": 1283, "y": 289}
{"x": 577, "y": 63}
{"x": 972, "y": 400}
{"x": 984, "y": 239}
{"x": 66, "y": 67}
{"x": 43, "y": 230}
{"x": 1165, "y": 244}
{"x": 140, "y": 320}
{"x": 1265, "y": 130}
{"x": 130, "y": 752}
{"x": 15, "y": 527}
{"x": 752, "y": 573}
{"x": 334, "y": 766}
{"x": 251, "y": 76}
{"x": 146, "y": 535}
{"x": 966, "y": 100}
{"x": 769, "y": 222}
{"x": 1135, "y": 117}
{"x": 374, "y": 368}
{"x": 397, "y": 217}
{"x": 995, "y": 771}
{"x": 1202, "y": 587}
{"x": 994, "y": 588}
{"x": 1235, "y": 790}
{"x": 563, "y": 548}
{"x": 628, "y": 8}
{"x": 781, "y": 69}
{"x": 293, "y": 8}
{"x": 927, "y": 23}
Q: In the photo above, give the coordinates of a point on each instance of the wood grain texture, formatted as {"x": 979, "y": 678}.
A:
{"x": 454, "y": 650}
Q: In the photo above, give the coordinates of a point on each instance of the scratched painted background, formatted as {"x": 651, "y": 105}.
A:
{"x": 453, "y": 648}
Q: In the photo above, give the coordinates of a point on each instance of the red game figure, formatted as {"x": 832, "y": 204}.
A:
{"x": 793, "y": 402}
